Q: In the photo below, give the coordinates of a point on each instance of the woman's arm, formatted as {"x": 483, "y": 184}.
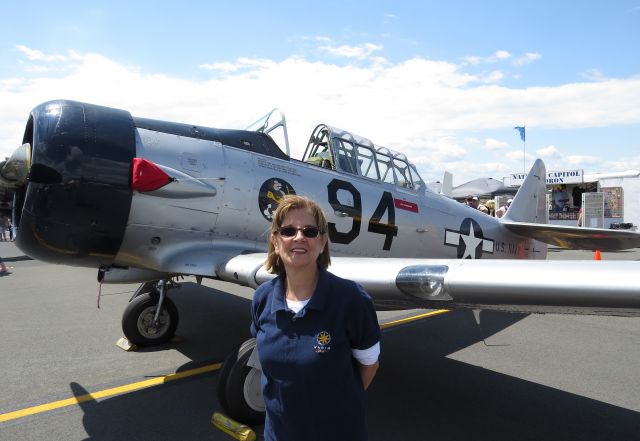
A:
{"x": 367, "y": 372}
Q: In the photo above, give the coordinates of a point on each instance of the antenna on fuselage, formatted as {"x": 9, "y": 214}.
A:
{"x": 447, "y": 185}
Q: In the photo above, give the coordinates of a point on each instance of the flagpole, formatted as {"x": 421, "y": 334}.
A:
{"x": 524, "y": 154}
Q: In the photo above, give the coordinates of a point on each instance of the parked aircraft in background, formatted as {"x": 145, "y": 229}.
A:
{"x": 144, "y": 200}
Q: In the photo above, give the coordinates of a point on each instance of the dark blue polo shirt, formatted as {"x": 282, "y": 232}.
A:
{"x": 311, "y": 384}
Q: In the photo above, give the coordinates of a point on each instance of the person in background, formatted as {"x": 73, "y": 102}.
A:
{"x": 3, "y": 268}
{"x": 3, "y": 228}
{"x": 9, "y": 227}
{"x": 576, "y": 193}
{"x": 491, "y": 206}
{"x": 317, "y": 335}
{"x": 503, "y": 210}
{"x": 580, "y": 220}
{"x": 473, "y": 202}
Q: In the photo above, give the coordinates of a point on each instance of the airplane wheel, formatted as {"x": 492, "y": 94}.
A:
{"x": 137, "y": 320}
{"x": 239, "y": 388}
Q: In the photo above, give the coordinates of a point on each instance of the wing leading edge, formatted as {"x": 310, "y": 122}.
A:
{"x": 572, "y": 287}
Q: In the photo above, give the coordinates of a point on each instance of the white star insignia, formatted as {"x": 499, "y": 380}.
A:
{"x": 471, "y": 242}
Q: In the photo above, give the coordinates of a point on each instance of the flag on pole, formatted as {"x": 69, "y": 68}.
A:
{"x": 520, "y": 129}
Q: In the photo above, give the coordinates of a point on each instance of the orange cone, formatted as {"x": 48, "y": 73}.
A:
{"x": 597, "y": 255}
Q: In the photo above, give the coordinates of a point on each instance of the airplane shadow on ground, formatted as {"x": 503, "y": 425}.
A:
{"x": 17, "y": 259}
{"x": 418, "y": 393}
{"x": 588, "y": 254}
{"x": 425, "y": 395}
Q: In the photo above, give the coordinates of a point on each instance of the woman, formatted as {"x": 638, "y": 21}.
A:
{"x": 317, "y": 335}
{"x": 580, "y": 217}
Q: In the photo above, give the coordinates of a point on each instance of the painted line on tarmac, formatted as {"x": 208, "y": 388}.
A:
{"x": 107, "y": 392}
{"x": 412, "y": 318}
{"x": 160, "y": 380}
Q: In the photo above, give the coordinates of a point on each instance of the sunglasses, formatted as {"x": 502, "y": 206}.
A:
{"x": 308, "y": 232}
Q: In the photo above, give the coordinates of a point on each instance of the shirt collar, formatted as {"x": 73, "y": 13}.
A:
{"x": 317, "y": 301}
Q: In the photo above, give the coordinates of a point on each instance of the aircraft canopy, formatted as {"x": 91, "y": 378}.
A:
{"x": 338, "y": 149}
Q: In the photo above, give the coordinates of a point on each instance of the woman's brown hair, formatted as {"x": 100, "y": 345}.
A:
{"x": 294, "y": 202}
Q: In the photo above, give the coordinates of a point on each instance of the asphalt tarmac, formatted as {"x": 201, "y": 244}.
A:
{"x": 537, "y": 377}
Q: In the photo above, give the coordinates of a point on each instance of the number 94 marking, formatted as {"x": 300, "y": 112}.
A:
{"x": 389, "y": 230}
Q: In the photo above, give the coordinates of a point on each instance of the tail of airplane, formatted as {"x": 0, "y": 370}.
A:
{"x": 530, "y": 202}
{"x": 529, "y": 209}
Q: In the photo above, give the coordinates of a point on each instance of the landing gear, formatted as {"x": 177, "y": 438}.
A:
{"x": 150, "y": 318}
{"x": 239, "y": 388}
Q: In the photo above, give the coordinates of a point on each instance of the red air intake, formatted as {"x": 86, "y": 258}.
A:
{"x": 147, "y": 176}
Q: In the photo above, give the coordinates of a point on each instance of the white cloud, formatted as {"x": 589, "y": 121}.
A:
{"x": 593, "y": 75}
{"x": 36, "y": 55}
{"x": 557, "y": 160}
{"x": 360, "y": 52}
{"x": 472, "y": 141}
{"x": 518, "y": 155}
{"x": 494, "y": 144}
{"x": 446, "y": 149}
{"x": 418, "y": 106}
{"x": 224, "y": 66}
{"x": 494, "y": 77}
{"x": 624, "y": 163}
{"x": 549, "y": 152}
{"x": 465, "y": 171}
{"x": 240, "y": 64}
{"x": 582, "y": 160}
{"x": 494, "y": 58}
{"x": 528, "y": 58}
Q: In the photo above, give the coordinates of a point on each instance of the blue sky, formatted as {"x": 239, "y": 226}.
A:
{"x": 443, "y": 82}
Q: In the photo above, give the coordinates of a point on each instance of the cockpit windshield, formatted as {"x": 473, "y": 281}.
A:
{"x": 337, "y": 149}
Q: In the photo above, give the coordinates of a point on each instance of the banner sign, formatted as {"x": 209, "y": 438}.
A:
{"x": 553, "y": 178}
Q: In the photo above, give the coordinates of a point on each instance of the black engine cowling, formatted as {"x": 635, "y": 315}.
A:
{"x": 74, "y": 207}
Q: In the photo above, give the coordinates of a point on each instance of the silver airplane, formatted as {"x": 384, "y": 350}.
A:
{"x": 145, "y": 201}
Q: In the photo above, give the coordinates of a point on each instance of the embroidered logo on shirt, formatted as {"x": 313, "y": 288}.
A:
{"x": 323, "y": 338}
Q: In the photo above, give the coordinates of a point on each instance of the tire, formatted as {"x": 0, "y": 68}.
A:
{"x": 239, "y": 386}
{"x": 138, "y": 317}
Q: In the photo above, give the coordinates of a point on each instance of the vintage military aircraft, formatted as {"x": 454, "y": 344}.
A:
{"x": 145, "y": 200}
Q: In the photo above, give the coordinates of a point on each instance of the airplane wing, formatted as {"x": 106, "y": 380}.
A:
{"x": 572, "y": 287}
{"x": 576, "y": 237}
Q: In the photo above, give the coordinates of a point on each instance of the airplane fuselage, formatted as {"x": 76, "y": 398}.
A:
{"x": 366, "y": 217}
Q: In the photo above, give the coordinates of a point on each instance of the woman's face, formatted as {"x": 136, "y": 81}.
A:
{"x": 298, "y": 252}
